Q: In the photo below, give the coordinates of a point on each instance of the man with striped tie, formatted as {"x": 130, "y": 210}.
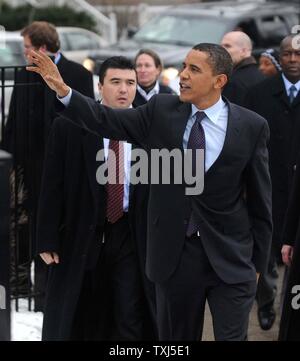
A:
{"x": 207, "y": 246}
{"x": 85, "y": 230}
{"x": 277, "y": 99}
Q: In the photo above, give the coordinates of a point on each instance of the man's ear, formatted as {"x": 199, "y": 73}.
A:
{"x": 43, "y": 48}
{"x": 99, "y": 87}
{"x": 220, "y": 81}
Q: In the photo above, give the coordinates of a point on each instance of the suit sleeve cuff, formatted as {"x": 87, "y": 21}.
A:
{"x": 66, "y": 100}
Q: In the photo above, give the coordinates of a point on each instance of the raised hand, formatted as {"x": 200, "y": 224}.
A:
{"x": 44, "y": 66}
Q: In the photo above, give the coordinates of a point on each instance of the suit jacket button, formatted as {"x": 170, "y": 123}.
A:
{"x": 295, "y": 167}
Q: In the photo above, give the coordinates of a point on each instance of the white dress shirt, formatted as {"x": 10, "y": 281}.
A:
{"x": 57, "y": 58}
{"x": 214, "y": 125}
{"x": 127, "y": 156}
{"x": 152, "y": 92}
{"x": 288, "y": 85}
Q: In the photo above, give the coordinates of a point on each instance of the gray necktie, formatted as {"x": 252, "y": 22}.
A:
{"x": 292, "y": 95}
{"x": 196, "y": 141}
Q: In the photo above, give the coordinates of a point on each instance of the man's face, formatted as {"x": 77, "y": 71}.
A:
{"x": 28, "y": 46}
{"x": 118, "y": 88}
{"x": 146, "y": 70}
{"x": 236, "y": 52}
{"x": 290, "y": 61}
{"x": 197, "y": 81}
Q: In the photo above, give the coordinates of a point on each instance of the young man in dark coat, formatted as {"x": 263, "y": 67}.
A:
{"x": 30, "y": 118}
{"x": 274, "y": 100}
{"x": 43, "y": 36}
{"x": 201, "y": 246}
{"x": 95, "y": 284}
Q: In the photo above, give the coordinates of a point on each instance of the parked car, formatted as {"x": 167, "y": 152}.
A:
{"x": 76, "y": 43}
{"x": 172, "y": 33}
{"x": 11, "y": 53}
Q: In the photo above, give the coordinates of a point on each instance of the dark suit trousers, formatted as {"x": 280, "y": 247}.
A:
{"x": 181, "y": 300}
{"x": 113, "y": 291}
{"x": 267, "y": 283}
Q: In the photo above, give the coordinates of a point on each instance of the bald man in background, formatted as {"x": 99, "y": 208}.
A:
{"x": 245, "y": 72}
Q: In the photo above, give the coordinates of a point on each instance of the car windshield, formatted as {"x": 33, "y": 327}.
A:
{"x": 11, "y": 55}
{"x": 182, "y": 30}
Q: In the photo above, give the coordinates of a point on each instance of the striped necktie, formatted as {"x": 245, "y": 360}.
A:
{"x": 196, "y": 141}
{"x": 115, "y": 192}
{"x": 292, "y": 94}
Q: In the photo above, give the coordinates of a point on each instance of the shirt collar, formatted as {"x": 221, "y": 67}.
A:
{"x": 57, "y": 58}
{"x": 212, "y": 112}
{"x": 288, "y": 84}
{"x": 153, "y": 91}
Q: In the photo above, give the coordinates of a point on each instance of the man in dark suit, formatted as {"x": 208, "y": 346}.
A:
{"x": 43, "y": 36}
{"x": 31, "y": 107}
{"x": 204, "y": 246}
{"x": 289, "y": 329}
{"x": 30, "y": 118}
{"x": 94, "y": 270}
{"x": 274, "y": 100}
{"x": 245, "y": 70}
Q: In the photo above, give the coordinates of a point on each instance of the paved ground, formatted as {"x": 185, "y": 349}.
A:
{"x": 26, "y": 326}
{"x": 255, "y": 333}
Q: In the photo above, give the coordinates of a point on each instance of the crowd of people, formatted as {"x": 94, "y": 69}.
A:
{"x": 137, "y": 262}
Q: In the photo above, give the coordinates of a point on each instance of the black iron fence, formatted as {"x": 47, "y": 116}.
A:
{"x": 25, "y": 118}
{"x": 5, "y": 164}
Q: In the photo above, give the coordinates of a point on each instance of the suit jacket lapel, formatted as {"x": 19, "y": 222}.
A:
{"x": 179, "y": 122}
{"x": 296, "y": 101}
{"x": 233, "y": 133}
{"x": 279, "y": 91}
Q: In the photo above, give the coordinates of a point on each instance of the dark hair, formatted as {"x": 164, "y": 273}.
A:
{"x": 218, "y": 58}
{"x": 114, "y": 62}
{"x": 157, "y": 61}
{"x": 42, "y": 33}
{"x": 284, "y": 42}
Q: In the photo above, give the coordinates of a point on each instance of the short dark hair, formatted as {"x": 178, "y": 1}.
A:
{"x": 284, "y": 41}
{"x": 42, "y": 33}
{"x": 218, "y": 58}
{"x": 114, "y": 62}
{"x": 157, "y": 60}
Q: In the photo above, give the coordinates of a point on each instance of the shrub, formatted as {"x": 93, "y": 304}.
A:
{"x": 16, "y": 18}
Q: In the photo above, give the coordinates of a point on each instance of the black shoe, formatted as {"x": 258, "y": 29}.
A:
{"x": 266, "y": 317}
